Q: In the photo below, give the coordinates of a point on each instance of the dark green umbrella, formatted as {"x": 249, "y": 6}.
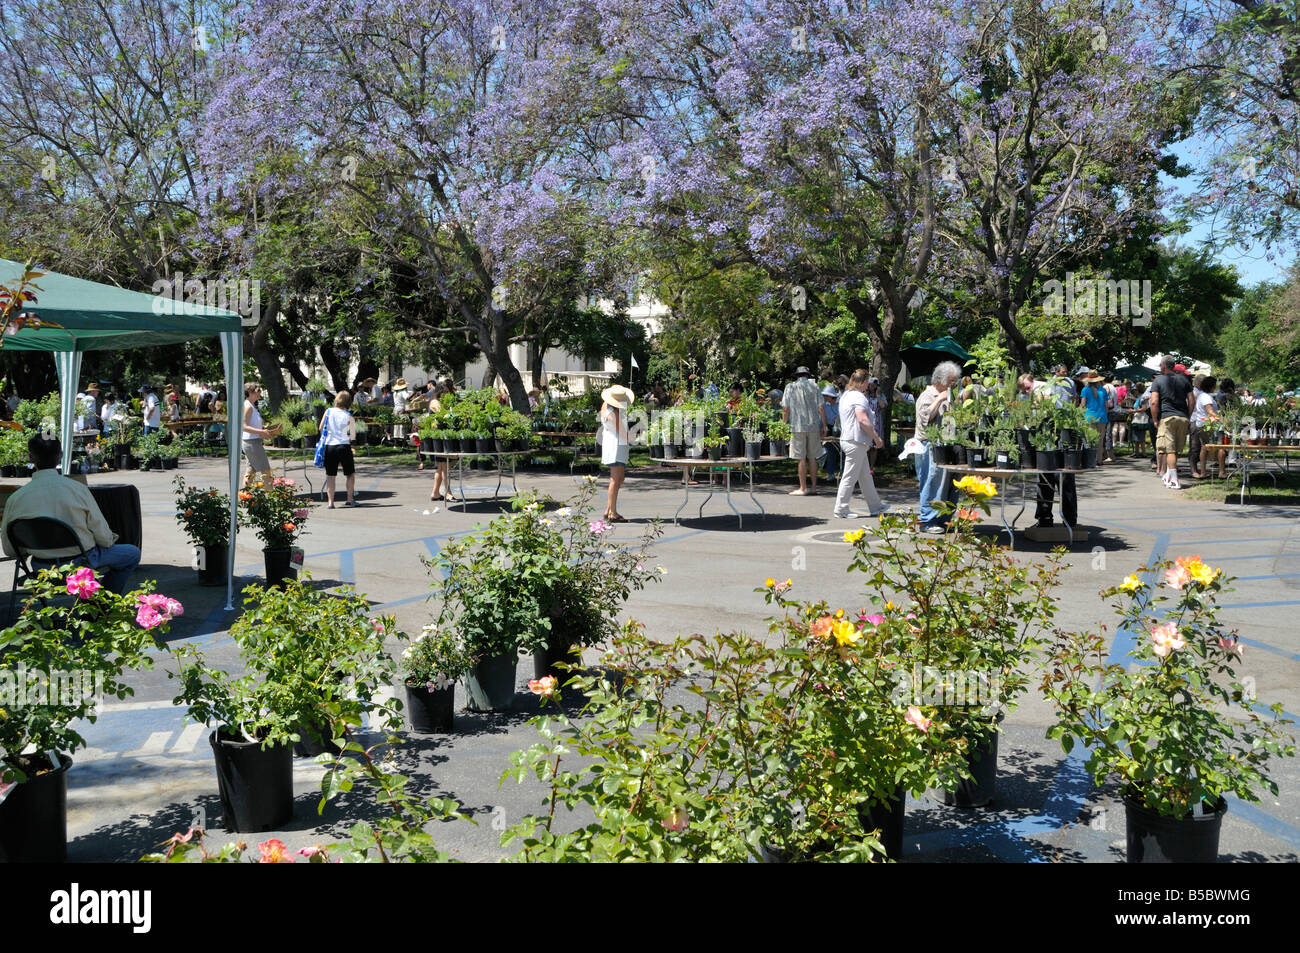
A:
{"x": 1133, "y": 372}
{"x": 922, "y": 359}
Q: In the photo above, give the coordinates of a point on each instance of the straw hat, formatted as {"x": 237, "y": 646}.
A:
{"x": 400, "y": 384}
{"x": 89, "y": 387}
{"x": 169, "y": 389}
{"x": 1093, "y": 378}
{"x": 618, "y": 396}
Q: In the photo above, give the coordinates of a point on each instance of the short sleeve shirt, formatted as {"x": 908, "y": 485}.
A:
{"x": 1173, "y": 390}
{"x": 804, "y": 402}
{"x": 850, "y": 429}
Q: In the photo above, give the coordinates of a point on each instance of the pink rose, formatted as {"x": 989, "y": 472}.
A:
{"x": 1232, "y": 645}
{"x": 300, "y": 514}
{"x": 916, "y": 718}
{"x": 82, "y": 584}
{"x": 1166, "y": 639}
{"x": 875, "y": 619}
{"x": 155, "y": 609}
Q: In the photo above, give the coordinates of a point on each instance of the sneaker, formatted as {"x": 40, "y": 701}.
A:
{"x": 849, "y": 516}
{"x": 351, "y": 503}
{"x": 884, "y": 508}
{"x": 933, "y": 529}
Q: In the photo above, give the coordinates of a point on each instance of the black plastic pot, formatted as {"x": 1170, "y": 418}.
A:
{"x": 467, "y": 444}
{"x": 313, "y": 742}
{"x": 944, "y": 455}
{"x": 1089, "y": 457}
{"x": 735, "y": 441}
{"x": 1002, "y": 460}
{"x": 780, "y": 448}
{"x": 715, "y": 453}
{"x": 1048, "y": 459}
{"x": 491, "y": 683}
{"x": 1159, "y": 839}
{"x": 753, "y": 450}
{"x": 656, "y": 451}
{"x": 374, "y": 436}
{"x": 1072, "y": 459}
{"x": 1069, "y": 437}
{"x": 977, "y": 457}
{"x": 959, "y": 455}
{"x": 485, "y": 445}
{"x": 34, "y": 819}
{"x": 278, "y": 570}
{"x": 213, "y": 571}
{"x": 888, "y": 819}
{"x": 256, "y": 786}
{"x": 8, "y": 470}
{"x": 170, "y": 463}
{"x": 430, "y": 712}
{"x": 1023, "y": 445}
{"x": 431, "y": 444}
{"x": 127, "y": 461}
{"x": 981, "y": 787}
{"x": 281, "y": 442}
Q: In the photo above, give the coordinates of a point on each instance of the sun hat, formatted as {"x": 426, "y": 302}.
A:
{"x": 89, "y": 387}
{"x": 618, "y": 396}
{"x": 401, "y": 384}
{"x": 830, "y": 391}
{"x": 1092, "y": 377}
{"x": 802, "y": 371}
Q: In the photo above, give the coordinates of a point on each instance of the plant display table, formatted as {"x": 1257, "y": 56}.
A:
{"x": 508, "y": 456}
{"x": 289, "y": 454}
{"x": 724, "y": 465}
{"x": 1261, "y": 454}
{"x": 1003, "y": 477}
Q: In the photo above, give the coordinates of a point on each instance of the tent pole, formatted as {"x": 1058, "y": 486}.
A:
{"x": 232, "y": 356}
{"x": 68, "y": 364}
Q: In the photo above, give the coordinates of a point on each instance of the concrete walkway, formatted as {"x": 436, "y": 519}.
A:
{"x": 149, "y": 774}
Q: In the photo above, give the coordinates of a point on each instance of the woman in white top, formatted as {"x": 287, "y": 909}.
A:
{"x": 614, "y": 443}
{"x": 254, "y": 431}
{"x": 338, "y": 431}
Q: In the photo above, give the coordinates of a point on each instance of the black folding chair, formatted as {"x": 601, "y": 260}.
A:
{"x": 39, "y": 533}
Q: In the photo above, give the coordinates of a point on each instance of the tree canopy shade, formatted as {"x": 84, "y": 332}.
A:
{"x": 96, "y": 317}
{"x": 93, "y": 317}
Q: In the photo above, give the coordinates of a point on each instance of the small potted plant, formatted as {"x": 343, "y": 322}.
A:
{"x": 279, "y": 516}
{"x": 311, "y": 660}
{"x": 169, "y": 453}
{"x": 66, "y": 659}
{"x": 1174, "y": 723}
{"x": 713, "y": 445}
{"x": 431, "y": 666}
{"x": 204, "y": 515}
{"x": 149, "y": 450}
{"x": 753, "y": 442}
{"x": 1047, "y": 455}
{"x": 778, "y": 432}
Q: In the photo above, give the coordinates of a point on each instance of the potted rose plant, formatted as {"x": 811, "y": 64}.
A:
{"x": 1176, "y": 725}
{"x": 275, "y": 511}
{"x": 57, "y": 663}
{"x": 546, "y": 583}
{"x": 431, "y": 666}
{"x": 311, "y": 661}
{"x": 204, "y": 515}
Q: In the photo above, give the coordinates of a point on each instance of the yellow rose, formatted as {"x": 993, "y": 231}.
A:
{"x": 1131, "y": 583}
{"x": 852, "y": 536}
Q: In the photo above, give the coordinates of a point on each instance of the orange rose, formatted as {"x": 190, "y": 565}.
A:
{"x": 290, "y": 527}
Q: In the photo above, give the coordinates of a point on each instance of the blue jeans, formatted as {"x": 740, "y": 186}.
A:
{"x": 116, "y": 562}
{"x": 931, "y": 478}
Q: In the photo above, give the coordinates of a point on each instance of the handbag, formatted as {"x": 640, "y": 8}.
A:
{"x": 320, "y": 446}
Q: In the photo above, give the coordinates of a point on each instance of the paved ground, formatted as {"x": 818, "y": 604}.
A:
{"x": 149, "y": 774}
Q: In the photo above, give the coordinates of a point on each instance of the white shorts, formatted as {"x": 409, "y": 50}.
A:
{"x": 805, "y": 445}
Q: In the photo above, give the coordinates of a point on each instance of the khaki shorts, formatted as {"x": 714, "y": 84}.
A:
{"x": 805, "y": 445}
{"x": 1172, "y": 435}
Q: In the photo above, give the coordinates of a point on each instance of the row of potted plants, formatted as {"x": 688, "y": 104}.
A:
{"x": 475, "y": 422}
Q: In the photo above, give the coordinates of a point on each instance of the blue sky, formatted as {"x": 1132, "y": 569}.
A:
{"x": 1250, "y": 262}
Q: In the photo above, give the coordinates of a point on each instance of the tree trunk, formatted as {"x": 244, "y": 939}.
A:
{"x": 333, "y": 366}
{"x": 257, "y": 346}
{"x": 489, "y": 374}
{"x": 366, "y": 367}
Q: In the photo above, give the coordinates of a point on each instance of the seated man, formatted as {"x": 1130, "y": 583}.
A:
{"x": 51, "y": 495}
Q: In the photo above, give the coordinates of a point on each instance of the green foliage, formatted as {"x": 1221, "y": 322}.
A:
{"x": 312, "y": 660}
{"x": 435, "y": 658}
{"x": 61, "y": 657}
{"x": 32, "y": 414}
{"x": 204, "y": 514}
{"x": 275, "y": 511}
{"x": 528, "y": 573}
{"x": 1175, "y": 724}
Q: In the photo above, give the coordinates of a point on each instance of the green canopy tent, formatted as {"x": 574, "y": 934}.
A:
{"x": 923, "y": 358}
{"x": 1133, "y": 372}
{"x": 89, "y": 316}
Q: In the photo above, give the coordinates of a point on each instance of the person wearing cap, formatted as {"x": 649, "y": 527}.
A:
{"x": 401, "y": 395}
{"x": 152, "y": 410}
{"x": 1171, "y": 410}
{"x": 831, "y": 459}
{"x": 362, "y": 394}
{"x": 614, "y": 442}
{"x": 173, "y": 402}
{"x": 88, "y": 402}
{"x": 801, "y": 408}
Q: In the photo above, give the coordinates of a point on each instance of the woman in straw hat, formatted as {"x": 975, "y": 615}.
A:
{"x": 614, "y": 443}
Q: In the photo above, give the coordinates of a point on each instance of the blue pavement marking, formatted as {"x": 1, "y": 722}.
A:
{"x": 1256, "y": 605}
{"x": 1125, "y": 640}
{"x": 1269, "y": 648}
{"x": 1228, "y": 559}
{"x": 1257, "y": 817}
{"x": 1272, "y": 575}
{"x": 347, "y": 568}
{"x": 1227, "y": 541}
{"x": 1265, "y": 710}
